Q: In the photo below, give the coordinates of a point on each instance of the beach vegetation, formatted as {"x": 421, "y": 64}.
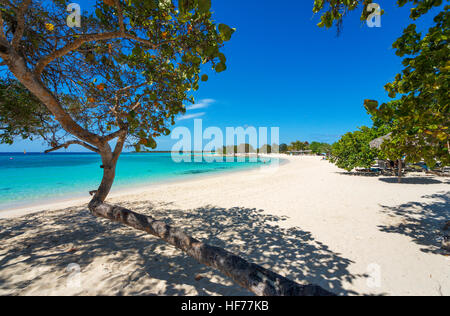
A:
{"x": 418, "y": 116}
{"x": 353, "y": 149}
{"x": 320, "y": 148}
{"x": 317, "y": 148}
{"x": 120, "y": 79}
{"x": 283, "y": 148}
{"x": 22, "y": 115}
{"x": 298, "y": 146}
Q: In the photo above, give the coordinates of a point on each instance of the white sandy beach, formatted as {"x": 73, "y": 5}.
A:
{"x": 307, "y": 220}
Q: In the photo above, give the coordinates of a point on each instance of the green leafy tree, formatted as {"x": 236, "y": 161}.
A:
{"x": 21, "y": 113}
{"x": 320, "y": 148}
{"x": 326, "y": 148}
{"x": 419, "y": 119}
{"x": 299, "y": 145}
{"x": 284, "y": 148}
{"x": 353, "y": 149}
{"x": 333, "y": 12}
{"x": 123, "y": 76}
{"x": 121, "y": 79}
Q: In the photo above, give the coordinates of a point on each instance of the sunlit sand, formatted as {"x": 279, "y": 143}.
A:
{"x": 306, "y": 220}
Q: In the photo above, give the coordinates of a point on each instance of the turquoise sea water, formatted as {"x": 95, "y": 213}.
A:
{"x": 30, "y": 178}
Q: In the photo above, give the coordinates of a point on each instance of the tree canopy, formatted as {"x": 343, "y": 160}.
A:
{"x": 420, "y": 118}
{"x": 320, "y": 148}
{"x": 131, "y": 66}
{"x": 419, "y": 114}
{"x": 333, "y": 12}
{"x": 123, "y": 75}
{"x": 315, "y": 147}
{"x": 299, "y": 145}
{"x": 21, "y": 113}
{"x": 283, "y": 148}
{"x": 353, "y": 149}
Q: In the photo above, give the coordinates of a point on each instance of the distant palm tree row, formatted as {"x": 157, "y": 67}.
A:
{"x": 245, "y": 148}
{"x": 315, "y": 147}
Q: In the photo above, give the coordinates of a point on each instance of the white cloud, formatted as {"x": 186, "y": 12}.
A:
{"x": 201, "y": 104}
{"x": 191, "y": 116}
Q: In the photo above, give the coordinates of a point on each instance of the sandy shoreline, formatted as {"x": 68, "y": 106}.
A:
{"x": 306, "y": 220}
{"x": 117, "y": 193}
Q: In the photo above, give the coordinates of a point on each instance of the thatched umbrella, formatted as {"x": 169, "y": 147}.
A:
{"x": 376, "y": 143}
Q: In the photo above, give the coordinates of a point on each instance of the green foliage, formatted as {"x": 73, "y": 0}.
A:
{"x": 21, "y": 113}
{"x": 420, "y": 119}
{"x": 284, "y": 148}
{"x": 334, "y": 11}
{"x": 320, "y": 148}
{"x": 353, "y": 149}
{"x": 315, "y": 147}
{"x": 299, "y": 145}
{"x": 138, "y": 81}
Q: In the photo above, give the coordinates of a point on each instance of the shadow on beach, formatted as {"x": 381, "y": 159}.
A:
{"x": 134, "y": 263}
{"x": 393, "y": 179}
{"x": 412, "y": 180}
{"x": 421, "y": 221}
{"x": 359, "y": 174}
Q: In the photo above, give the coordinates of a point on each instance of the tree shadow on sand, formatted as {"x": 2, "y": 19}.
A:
{"x": 359, "y": 174}
{"x": 421, "y": 221}
{"x": 412, "y": 180}
{"x": 135, "y": 263}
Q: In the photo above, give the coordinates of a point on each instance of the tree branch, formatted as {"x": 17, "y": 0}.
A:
{"x": 2, "y": 31}
{"x": 120, "y": 16}
{"x": 119, "y": 146}
{"x": 40, "y": 66}
{"x": 8, "y": 3}
{"x": 144, "y": 41}
{"x": 73, "y": 142}
{"x": 4, "y": 44}
{"x": 17, "y": 66}
{"x": 20, "y": 23}
{"x": 84, "y": 39}
{"x": 123, "y": 90}
{"x": 136, "y": 105}
{"x": 114, "y": 135}
{"x": 4, "y": 49}
{"x": 250, "y": 276}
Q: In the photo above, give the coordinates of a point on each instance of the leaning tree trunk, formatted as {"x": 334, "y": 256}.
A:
{"x": 400, "y": 167}
{"x": 252, "y": 277}
{"x": 109, "y": 173}
{"x": 255, "y": 278}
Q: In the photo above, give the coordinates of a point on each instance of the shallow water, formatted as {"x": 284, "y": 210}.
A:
{"x": 37, "y": 177}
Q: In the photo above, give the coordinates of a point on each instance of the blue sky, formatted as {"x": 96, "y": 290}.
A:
{"x": 284, "y": 71}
